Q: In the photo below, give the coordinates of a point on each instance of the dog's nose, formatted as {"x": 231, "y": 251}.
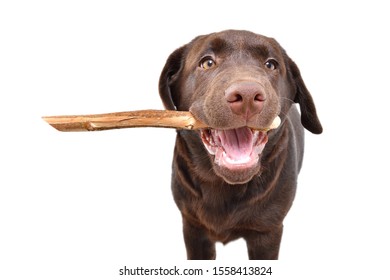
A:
{"x": 245, "y": 98}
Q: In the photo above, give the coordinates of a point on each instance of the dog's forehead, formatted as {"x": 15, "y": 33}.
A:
{"x": 234, "y": 40}
{"x": 231, "y": 41}
{"x": 242, "y": 38}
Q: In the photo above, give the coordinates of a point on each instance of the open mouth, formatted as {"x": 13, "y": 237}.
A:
{"x": 235, "y": 149}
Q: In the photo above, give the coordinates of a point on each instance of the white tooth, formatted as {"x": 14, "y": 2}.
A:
{"x": 255, "y": 137}
{"x": 210, "y": 149}
{"x": 275, "y": 123}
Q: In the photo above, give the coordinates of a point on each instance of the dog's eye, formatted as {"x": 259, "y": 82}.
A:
{"x": 207, "y": 63}
{"x": 271, "y": 64}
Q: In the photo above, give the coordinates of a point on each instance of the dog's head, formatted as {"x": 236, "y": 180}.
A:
{"x": 235, "y": 82}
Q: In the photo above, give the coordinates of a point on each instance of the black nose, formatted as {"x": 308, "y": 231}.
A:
{"x": 245, "y": 98}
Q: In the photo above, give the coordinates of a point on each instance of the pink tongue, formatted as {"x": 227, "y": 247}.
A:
{"x": 237, "y": 143}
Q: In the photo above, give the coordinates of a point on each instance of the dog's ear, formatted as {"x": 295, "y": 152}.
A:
{"x": 309, "y": 118}
{"x": 168, "y": 75}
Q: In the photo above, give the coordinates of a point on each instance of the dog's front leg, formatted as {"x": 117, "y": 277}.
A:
{"x": 198, "y": 244}
{"x": 264, "y": 245}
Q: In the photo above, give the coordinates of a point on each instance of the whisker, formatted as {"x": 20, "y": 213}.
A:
{"x": 288, "y": 99}
{"x": 283, "y": 113}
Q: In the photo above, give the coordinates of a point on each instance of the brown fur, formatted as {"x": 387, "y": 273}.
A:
{"x": 218, "y": 204}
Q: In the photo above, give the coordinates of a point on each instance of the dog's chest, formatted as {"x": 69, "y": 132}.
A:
{"x": 226, "y": 220}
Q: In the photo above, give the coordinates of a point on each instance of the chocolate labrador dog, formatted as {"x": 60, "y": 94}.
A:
{"x": 235, "y": 179}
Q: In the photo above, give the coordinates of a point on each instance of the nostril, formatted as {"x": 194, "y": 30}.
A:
{"x": 235, "y": 97}
{"x": 259, "y": 97}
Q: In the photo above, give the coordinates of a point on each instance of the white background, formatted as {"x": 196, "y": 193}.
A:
{"x": 83, "y": 205}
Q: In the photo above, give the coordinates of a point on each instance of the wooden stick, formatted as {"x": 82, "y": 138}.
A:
{"x": 142, "y": 118}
